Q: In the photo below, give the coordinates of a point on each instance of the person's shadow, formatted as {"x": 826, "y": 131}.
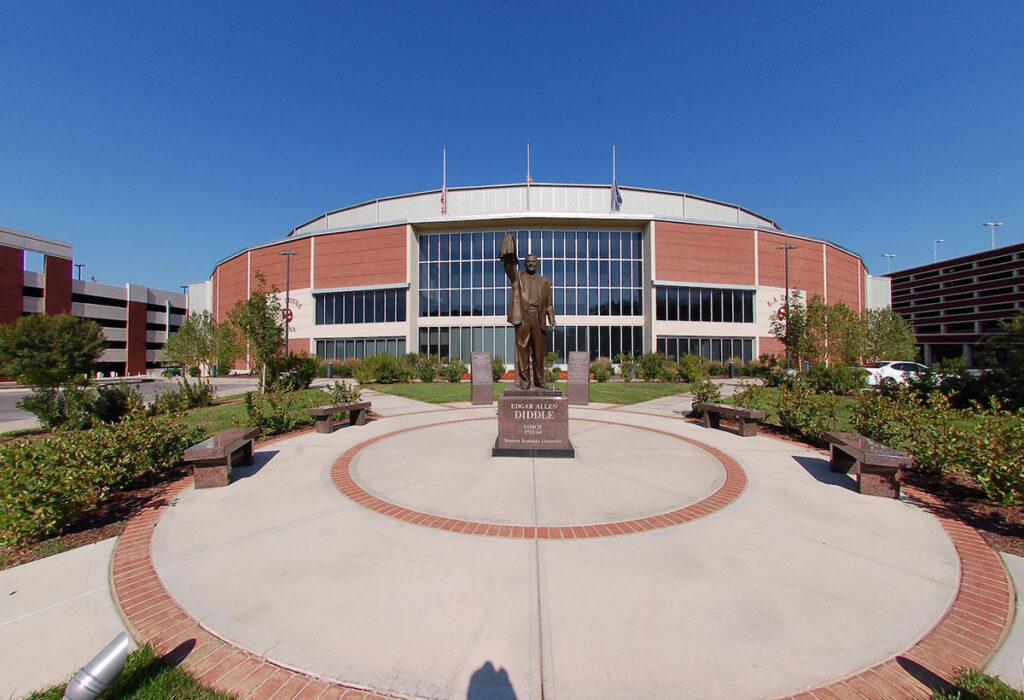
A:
{"x": 489, "y": 683}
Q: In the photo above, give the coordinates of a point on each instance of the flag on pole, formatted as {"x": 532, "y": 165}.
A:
{"x": 444, "y": 179}
{"x": 616, "y": 195}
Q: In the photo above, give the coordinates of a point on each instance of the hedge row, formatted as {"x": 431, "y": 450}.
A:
{"x": 46, "y": 484}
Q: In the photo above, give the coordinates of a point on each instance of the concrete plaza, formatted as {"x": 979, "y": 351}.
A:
{"x": 665, "y": 561}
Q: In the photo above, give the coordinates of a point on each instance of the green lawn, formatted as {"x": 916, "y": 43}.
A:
{"x": 214, "y": 419}
{"x": 609, "y": 392}
{"x": 146, "y": 677}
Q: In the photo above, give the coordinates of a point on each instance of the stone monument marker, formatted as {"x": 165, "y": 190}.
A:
{"x": 481, "y": 379}
{"x": 579, "y": 378}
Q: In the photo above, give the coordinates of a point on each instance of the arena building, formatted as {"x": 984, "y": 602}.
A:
{"x": 664, "y": 271}
{"x": 136, "y": 320}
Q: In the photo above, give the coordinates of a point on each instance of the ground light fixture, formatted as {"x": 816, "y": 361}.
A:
{"x": 992, "y": 225}
{"x": 787, "y": 247}
{"x": 97, "y": 675}
{"x": 287, "y": 294}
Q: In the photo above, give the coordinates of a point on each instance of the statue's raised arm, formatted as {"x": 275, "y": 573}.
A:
{"x": 508, "y": 255}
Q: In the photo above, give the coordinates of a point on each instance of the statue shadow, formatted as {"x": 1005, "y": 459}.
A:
{"x": 818, "y": 467}
{"x": 489, "y": 683}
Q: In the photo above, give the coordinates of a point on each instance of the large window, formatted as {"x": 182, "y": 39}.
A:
{"x": 370, "y": 306}
{"x": 704, "y": 304}
{"x": 340, "y": 348}
{"x": 592, "y": 273}
{"x": 460, "y": 341}
{"x": 713, "y": 349}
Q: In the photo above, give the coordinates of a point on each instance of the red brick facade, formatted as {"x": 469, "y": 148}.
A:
{"x": 695, "y": 253}
{"x": 361, "y": 258}
{"x": 12, "y": 281}
{"x": 136, "y": 338}
{"x": 57, "y": 285}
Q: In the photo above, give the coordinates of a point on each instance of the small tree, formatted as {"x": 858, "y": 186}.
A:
{"x": 192, "y": 344}
{"x": 259, "y": 322}
{"x": 835, "y": 333}
{"x": 56, "y": 354}
{"x": 50, "y": 351}
{"x": 888, "y": 336}
{"x": 791, "y": 330}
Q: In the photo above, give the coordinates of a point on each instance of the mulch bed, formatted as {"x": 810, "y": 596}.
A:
{"x": 1001, "y": 526}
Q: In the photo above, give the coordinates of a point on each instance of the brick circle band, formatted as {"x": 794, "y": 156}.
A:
{"x": 734, "y": 484}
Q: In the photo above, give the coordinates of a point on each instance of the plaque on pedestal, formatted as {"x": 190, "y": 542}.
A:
{"x": 480, "y": 377}
{"x": 533, "y": 423}
{"x": 579, "y": 378}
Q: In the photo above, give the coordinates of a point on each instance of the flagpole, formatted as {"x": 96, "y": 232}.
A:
{"x": 444, "y": 180}
{"x": 614, "y": 181}
{"x": 529, "y": 179}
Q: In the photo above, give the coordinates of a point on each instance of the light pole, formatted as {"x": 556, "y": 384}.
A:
{"x": 888, "y": 261}
{"x": 787, "y": 247}
{"x": 992, "y": 225}
{"x": 78, "y": 269}
{"x": 935, "y": 248}
{"x": 287, "y": 293}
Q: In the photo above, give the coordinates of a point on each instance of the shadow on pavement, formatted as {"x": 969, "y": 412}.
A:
{"x": 260, "y": 460}
{"x": 818, "y": 468}
{"x": 489, "y": 683}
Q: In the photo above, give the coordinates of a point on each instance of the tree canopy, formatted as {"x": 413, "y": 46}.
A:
{"x": 259, "y": 321}
{"x": 49, "y": 351}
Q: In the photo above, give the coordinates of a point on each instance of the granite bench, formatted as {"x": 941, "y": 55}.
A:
{"x": 213, "y": 458}
{"x": 324, "y": 415}
{"x": 747, "y": 417}
{"x": 878, "y": 468}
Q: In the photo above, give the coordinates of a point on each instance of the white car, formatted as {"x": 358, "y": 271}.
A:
{"x": 892, "y": 372}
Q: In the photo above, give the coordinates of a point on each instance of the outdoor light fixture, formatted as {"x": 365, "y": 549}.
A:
{"x": 97, "y": 675}
{"x": 888, "y": 261}
{"x": 935, "y": 248}
{"x": 787, "y": 247}
{"x": 992, "y": 225}
{"x": 287, "y": 294}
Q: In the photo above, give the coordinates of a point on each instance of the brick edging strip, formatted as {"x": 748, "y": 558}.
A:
{"x": 968, "y": 635}
{"x": 732, "y": 487}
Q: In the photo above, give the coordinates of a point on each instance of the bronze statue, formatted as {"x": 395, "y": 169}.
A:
{"x": 530, "y": 310}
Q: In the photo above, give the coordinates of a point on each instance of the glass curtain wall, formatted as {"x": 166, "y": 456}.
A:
{"x": 461, "y": 341}
{"x": 713, "y": 349}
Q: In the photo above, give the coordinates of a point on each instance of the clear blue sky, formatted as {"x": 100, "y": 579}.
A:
{"x": 161, "y": 137}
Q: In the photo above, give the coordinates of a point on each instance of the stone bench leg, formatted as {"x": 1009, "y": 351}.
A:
{"x": 324, "y": 424}
{"x": 841, "y": 461}
{"x": 748, "y": 427}
{"x": 242, "y": 457}
{"x": 712, "y": 420}
{"x": 879, "y": 481}
{"x": 357, "y": 416}
{"x": 210, "y": 476}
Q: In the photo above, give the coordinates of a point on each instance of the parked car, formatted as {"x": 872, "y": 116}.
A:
{"x": 892, "y": 372}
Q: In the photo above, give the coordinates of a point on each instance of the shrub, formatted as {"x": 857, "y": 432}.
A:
{"x": 602, "y": 369}
{"x": 343, "y": 392}
{"x": 705, "y": 391}
{"x": 497, "y": 368}
{"x": 167, "y": 402}
{"x": 68, "y": 408}
{"x": 193, "y": 371}
{"x": 650, "y": 367}
{"x": 837, "y": 379}
{"x": 669, "y": 371}
{"x": 627, "y": 366}
{"x": 196, "y": 394}
{"x": 716, "y": 369}
{"x": 551, "y": 373}
{"x": 975, "y": 685}
{"x": 808, "y": 413}
{"x": 275, "y": 412}
{"x": 452, "y": 369}
{"x": 292, "y": 372}
{"x": 115, "y": 401}
{"x": 47, "y": 484}
{"x": 427, "y": 368}
{"x": 347, "y": 367}
{"x": 691, "y": 368}
{"x": 755, "y": 396}
{"x": 382, "y": 368}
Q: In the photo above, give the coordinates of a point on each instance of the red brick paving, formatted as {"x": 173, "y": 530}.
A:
{"x": 968, "y": 635}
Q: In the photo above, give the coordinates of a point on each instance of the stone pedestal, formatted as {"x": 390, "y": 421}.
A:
{"x": 481, "y": 379}
{"x": 578, "y": 388}
{"x": 533, "y": 423}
